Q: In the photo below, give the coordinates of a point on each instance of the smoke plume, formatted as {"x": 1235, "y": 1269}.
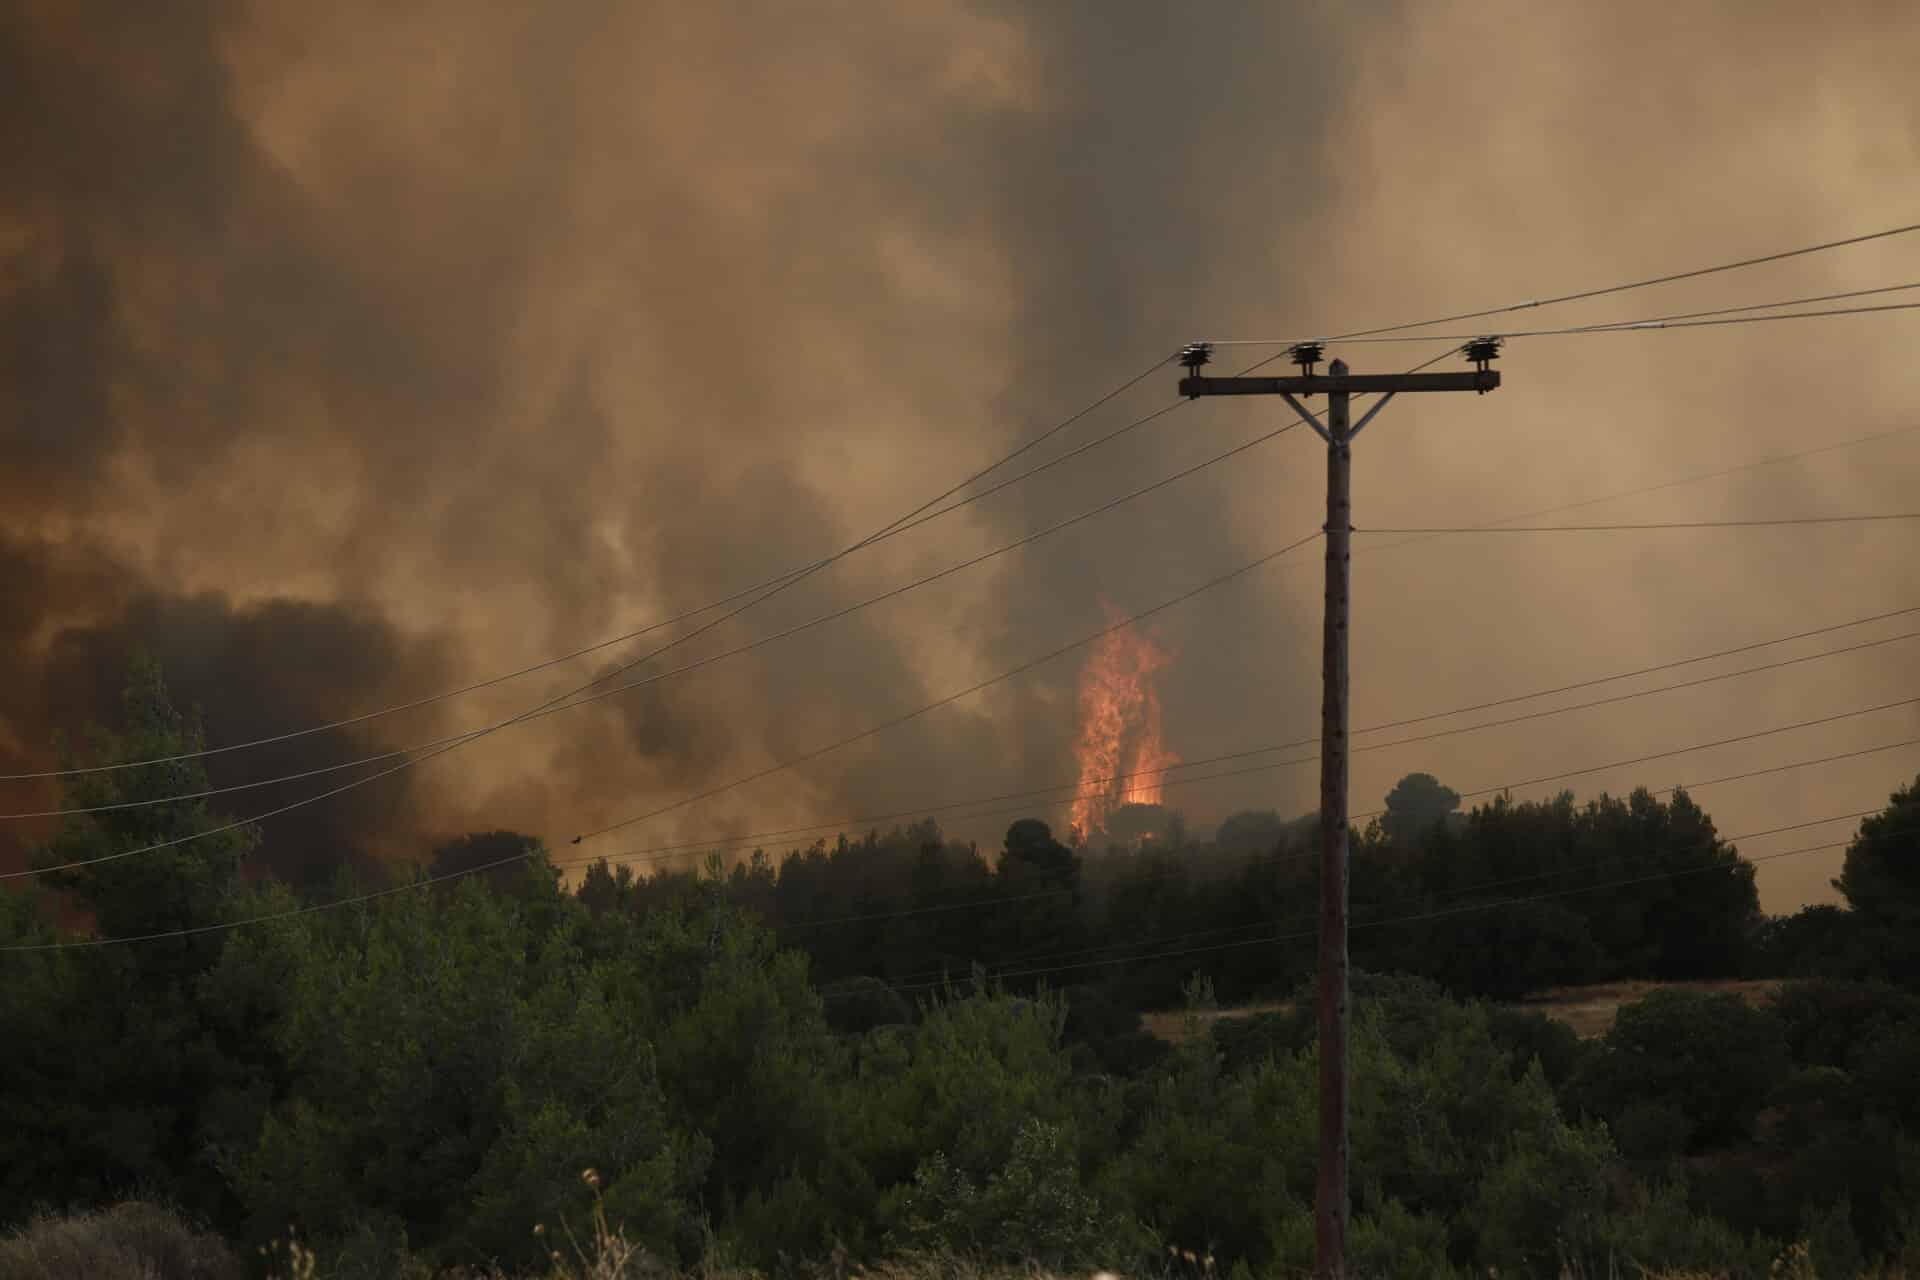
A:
{"x": 350, "y": 354}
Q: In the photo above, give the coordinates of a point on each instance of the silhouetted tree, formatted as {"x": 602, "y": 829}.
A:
{"x": 501, "y": 858}
{"x": 1881, "y": 882}
{"x": 1416, "y": 802}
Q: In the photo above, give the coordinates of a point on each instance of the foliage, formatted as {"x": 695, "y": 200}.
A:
{"x": 188, "y": 864}
{"x": 1032, "y": 1210}
{"x": 1818, "y": 941}
{"x": 809, "y": 1058}
{"x": 1415, "y": 804}
{"x": 1692, "y": 1065}
{"x": 1880, "y": 880}
{"x": 118, "y": 1076}
{"x": 128, "y": 1241}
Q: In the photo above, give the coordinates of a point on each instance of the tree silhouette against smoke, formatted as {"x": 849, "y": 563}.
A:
{"x": 1416, "y": 802}
{"x": 1881, "y": 882}
{"x": 464, "y": 856}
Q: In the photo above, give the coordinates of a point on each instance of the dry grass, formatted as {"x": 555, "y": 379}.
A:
{"x": 126, "y": 1242}
{"x": 1589, "y": 1010}
{"x": 1171, "y": 1025}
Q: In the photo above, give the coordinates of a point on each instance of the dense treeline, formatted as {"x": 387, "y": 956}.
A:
{"x": 776, "y": 1063}
{"x": 1505, "y": 900}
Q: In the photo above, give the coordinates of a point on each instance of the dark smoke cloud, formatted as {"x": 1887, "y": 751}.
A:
{"x": 250, "y": 670}
{"x": 347, "y": 355}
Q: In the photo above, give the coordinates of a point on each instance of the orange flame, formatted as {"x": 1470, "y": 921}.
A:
{"x": 1119, "y": 729}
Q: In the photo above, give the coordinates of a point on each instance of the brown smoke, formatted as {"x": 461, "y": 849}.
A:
{"x": 352, "y": 352}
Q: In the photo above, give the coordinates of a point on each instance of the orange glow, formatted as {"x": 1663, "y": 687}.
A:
{"x": 1119, "y": 729}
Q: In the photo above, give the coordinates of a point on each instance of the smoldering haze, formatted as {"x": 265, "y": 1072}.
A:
{"x": 355, "y": 357}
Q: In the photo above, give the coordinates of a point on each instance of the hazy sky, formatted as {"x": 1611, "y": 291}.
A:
{"x": 351, "y": 354}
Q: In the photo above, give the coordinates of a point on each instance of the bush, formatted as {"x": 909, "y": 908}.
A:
{"x": 1532, "y": 1037}
{"x": 1712, "y": 1057}
{"x": 855, "y": 1006}
{"x": 1106, "y": 1034}
{"x": 131, "y": 1241}
{"x": 1033, "y": 1210}
{"x": 1660, "y": 1230}
{"x": 1242, "y": 1042}
{"x": 1826, "y": 1021}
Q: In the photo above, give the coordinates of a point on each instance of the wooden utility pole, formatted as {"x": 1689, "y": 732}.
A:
{"x": 1330, "y": 1199}
{"x": 1332, "y": 1203}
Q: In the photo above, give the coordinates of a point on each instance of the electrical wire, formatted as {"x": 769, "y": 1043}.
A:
{"x": 1255, "y": 863}
{"x": 1726, "y": 471}
{"x": 1683, "y": 320}
{"x": 1721, "y": 473}
{"x": 1356, "y": 816}
{"x": 1102, "y": 951}
{"x": 1311, "y": 855}
{"x": 843, "y": 823}
{"x": 1183, "y": 597}
{"x": 1189, "y": 594}
{"x": 1657, "y": 524}
{"x": 1698, "y": 746}
{"x": 461, "y": 737}
{"x": 406, "y": 755}
{"x": 913, "y": 520}
{"x": 1585, "y": 294}
{"x": 519, "y": 858}
{"x": 1421, "y": 917}
{"x": 844, "y": 611}
{"x": 902, "y": 524}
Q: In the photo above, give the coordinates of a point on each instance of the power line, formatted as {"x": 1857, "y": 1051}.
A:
{"x": 1208, "y": 585}
{"x": 912, "y": 520}
{"x": 843, "y": 823}
{"x": 1277, "y": 859}
{"x": 1687, "y": 786}
{"x": 1716, "y": 317}
{"x": 779, "y": 582}
{"x": 1804, "y": 301}
{"x": 1586, "y": 294}
{"x": 900, "y": 525}
{"x": 1660, "y": 524}
{"x": 1640, "y": 491}
{"x": 1635, "y": 492}
{"x": 1421, "y": 917}
{"x": 1182, "y": 598}
{"x": 1371, "y": 813}
{"x": 1189, "y": 764}
{"x": 955, "y": 697}
{"x": 1587, "y": 502}
{"x": 1185, "y": 872}
{"x": 519, "y": 858}
{"x": 711, "y": 659}
{"x": 1258, "y": 862}
{"x": 1698, "y": 746}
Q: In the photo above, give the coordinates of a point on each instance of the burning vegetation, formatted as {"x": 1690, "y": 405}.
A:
{"x": 1120, "y": 750}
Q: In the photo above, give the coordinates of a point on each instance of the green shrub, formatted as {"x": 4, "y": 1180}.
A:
{"x": 1032, "y": 1211}
{"x": 857, "y": 1005}
{"x": 1712, "y": 1057}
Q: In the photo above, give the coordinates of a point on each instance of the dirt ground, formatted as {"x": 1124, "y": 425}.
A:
{"x": 1588, "y": 1010}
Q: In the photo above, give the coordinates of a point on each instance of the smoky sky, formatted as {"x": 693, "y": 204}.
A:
{"x": 351, "y": 354}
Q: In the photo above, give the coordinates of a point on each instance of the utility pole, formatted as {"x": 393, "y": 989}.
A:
{"x": 1332, "y": 1203}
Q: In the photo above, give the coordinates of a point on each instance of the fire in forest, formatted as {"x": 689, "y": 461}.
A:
{"x": 1120, "y": 748}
